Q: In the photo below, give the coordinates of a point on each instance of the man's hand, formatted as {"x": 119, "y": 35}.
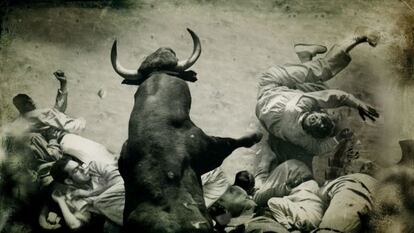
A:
{"x": 60, "y": 76}
{"x": 367, "y": 111}
{"x": 79, "y": 193}
{"x": 51, "y": 222}
{"x": 79, "y": 125}
{"x": 58, "y": 195}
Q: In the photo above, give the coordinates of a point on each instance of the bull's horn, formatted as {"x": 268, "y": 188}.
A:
{"x": 185, "y": 64}
{"x": 125, "y": 73}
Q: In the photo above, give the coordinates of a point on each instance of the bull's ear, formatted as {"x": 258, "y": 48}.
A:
{"x": 134, "y": 82}
{"x": 189, "y": 75}
{"x": 130, "y": 82}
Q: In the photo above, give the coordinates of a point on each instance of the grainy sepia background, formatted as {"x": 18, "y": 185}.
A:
{"x": 239, "y": 40}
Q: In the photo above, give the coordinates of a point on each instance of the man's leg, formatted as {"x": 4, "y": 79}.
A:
{"x": 310, "y": 75}
{"x": 86, "y": 150}
{"x": 284, "y": 211}
{"x": 350, "y": 197}
{"x": 338, "y": 57}
{"x": 266, "y": 157}
{"x": 305, "y": 53}
{"x": 304, "y": 215}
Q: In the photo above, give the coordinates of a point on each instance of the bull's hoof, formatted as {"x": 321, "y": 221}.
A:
{"x": 257, "y": 137}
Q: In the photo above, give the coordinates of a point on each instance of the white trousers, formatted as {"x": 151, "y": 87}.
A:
{"x": 86, "y": 150}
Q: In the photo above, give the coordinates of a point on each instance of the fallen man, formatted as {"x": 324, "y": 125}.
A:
{"x": 97, "y": 188}
{"x": 350, "y": 200}
{"x": 59, "y": 128}
{"x": 233, "y": 202}
{"x": 291, "y": 195}
{"x": 295, "y": 200}
{"x": 292, "y": 100}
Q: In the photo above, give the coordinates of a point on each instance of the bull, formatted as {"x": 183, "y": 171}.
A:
{"x": 166, "y": 153}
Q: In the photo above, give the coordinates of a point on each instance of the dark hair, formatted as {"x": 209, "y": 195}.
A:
{"x": 322, "y": 129}
{"x": 20, "y": 101}
{"x": 21, "y": 98}
{"x": 57, "y": 171}
{"x": 245, "y": 180}
{"x": 162, "y": 59}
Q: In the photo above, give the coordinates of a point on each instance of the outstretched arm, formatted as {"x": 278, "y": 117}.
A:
{"x": 337, "y": 98}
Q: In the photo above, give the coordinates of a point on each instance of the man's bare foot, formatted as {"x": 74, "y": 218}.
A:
{"x": 361, "y": 35}
{"x": 365, "y": 34}
{"x": 306, "y": 52}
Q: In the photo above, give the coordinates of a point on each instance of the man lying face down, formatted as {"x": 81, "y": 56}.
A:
{"x": 97, "y": 188}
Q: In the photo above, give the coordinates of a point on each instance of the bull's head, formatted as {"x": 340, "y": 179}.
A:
{"x": 162, "y": 59}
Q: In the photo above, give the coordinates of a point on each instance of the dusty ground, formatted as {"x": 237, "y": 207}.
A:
{"x": 239, "y": 40}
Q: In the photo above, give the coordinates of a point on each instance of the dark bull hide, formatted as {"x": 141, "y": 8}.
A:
{"x": 165, "y": 153}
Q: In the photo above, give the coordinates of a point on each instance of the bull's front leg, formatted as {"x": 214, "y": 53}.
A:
{"x": 219, "y": 148}
{"x": 248, "y": 140}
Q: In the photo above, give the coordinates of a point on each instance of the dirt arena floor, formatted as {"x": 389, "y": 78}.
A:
{"x": 239, "y": 39}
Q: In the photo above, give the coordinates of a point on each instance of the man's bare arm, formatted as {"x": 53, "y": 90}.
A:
{"x": 62, "y": 94}
{"x": 71, "y": 220}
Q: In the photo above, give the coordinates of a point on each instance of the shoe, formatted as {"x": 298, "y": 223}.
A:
{"x": 306, "y": 52}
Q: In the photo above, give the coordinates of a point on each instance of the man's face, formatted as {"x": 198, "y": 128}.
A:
{"x": 314, "y": 118}
{"x": 320, "y": 124}
{"x": 236, "y": 200}
{"x": 77, "y": 174}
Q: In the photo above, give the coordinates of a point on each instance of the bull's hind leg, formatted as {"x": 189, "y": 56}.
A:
{"x": 219, "y": 148}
